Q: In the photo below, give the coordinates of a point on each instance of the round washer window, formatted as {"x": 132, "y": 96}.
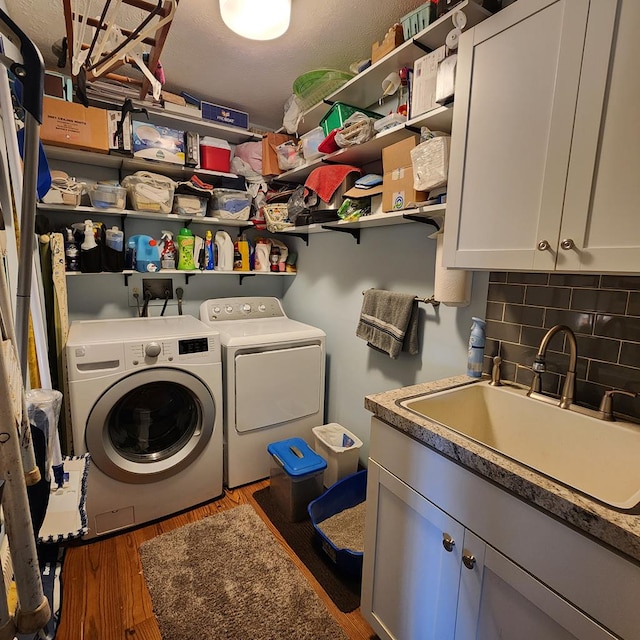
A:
{"x": 153, "y": 421}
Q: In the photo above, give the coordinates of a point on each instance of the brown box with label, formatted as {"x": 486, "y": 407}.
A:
{"x": 397, "y": 185}
{"x": 68, "y": 124}
{"x": 269, "y": 156}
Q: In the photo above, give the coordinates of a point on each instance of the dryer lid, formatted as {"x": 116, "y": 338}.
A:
{"x": 264, "y": 331}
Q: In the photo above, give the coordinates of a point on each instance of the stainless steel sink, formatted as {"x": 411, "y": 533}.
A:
{"x": 600, "y": 459}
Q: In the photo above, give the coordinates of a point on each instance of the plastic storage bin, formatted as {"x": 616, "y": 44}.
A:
{"x": 310, "y": 142}
{"x": 187, "y": 205}
{"x": 339, "y": 447}
{"x": 346, "y": 494}
{"x": 339, "y": 112}
{"x": 230, "y": 204}
{"x": 107, "y": 196}
{"x": 296, "y": 476}
{"x": 215, "y": 154}
{"x": 150, "y": 191}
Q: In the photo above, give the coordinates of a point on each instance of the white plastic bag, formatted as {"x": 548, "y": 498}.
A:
{"x": 430, "y": 160}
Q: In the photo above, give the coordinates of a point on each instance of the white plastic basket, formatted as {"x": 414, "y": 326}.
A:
{"x": 339, "y": 447}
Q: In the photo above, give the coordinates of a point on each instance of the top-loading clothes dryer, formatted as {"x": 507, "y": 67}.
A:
{"x": 146, "y": 403}
{"x": 273, "y": 369}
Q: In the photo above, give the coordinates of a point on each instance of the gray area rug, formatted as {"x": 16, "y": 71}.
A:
{"x": 226, "y": 577}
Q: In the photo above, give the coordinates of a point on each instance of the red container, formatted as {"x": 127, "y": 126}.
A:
{"x": 215, "y": 154}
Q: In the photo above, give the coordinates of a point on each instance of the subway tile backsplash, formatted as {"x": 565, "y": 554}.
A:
{"x": 604, "y": 313}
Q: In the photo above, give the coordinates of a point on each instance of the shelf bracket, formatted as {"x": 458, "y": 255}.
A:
{"x": 410, "y": 127}
{"x": 423, "y": 47}
{"x": 126, "y": 279}
{"x": 188, "y": 276}
{"x": 422, "y": 219}
{"x": 246, "y": 275}
{"x": 303, "y": 236}
{"x": 353, "y": 232}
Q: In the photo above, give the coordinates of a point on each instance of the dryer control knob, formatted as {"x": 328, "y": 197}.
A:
{"x": 153, "y": 350}
{"x": 262, "y": 307}
{"x": 229, "y": 308}
{"x": 245, "y": 308}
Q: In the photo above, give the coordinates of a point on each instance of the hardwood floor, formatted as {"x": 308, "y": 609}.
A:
{"x": 105, "y": 596}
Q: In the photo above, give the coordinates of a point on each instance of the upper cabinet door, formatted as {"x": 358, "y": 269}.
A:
{"x": 603, "y": 186}
{"x": 516, "y": 94}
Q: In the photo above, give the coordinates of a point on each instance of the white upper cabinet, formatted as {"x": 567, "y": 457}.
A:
{"x": 546, "y": 141}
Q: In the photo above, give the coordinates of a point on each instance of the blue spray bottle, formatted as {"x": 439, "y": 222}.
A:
{"x": 209, "y": 251}
{"x": 476, "y": 348}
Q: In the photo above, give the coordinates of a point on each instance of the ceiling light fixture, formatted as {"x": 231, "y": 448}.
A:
{"x": 256, "y": 19}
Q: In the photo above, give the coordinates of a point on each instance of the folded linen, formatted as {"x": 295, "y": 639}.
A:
{"x": 389, "y": 322}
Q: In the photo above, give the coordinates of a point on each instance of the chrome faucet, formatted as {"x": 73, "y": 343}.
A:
{"x": 539, "y": 366}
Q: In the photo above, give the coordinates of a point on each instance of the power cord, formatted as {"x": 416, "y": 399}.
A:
{"x": 145, "y": 307}
{"x": 179, "y": 294}
{"x": 136, "y": 295}
{"x": 166, "y": 299}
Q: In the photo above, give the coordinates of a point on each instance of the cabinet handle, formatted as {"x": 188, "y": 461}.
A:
{"x": 543, "y": 245}
{"x": 469, "y": 560}
{"x": 567, "y": 244}
{"x": 448, "y": 542}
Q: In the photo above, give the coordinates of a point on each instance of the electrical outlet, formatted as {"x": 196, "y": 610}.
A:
{"x": 159, "y": 288}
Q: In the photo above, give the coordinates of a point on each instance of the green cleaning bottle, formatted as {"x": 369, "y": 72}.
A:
{"x": 186, "y": 243}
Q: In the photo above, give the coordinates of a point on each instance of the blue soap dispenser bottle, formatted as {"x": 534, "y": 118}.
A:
{"x": 476, "y": 348}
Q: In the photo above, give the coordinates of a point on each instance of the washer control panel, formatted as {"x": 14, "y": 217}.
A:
{"x": 240, "y": 309}
{"x": 172, "y": 350}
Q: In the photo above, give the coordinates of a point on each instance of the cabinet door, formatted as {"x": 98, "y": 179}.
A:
{"x": 498, "y": 599}
{"x": 410, "y": 580}
{"x": 603, "y": 190}
{"x": 516, "y": 92}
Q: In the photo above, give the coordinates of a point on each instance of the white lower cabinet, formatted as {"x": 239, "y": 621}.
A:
{"x": 428, "y": 575}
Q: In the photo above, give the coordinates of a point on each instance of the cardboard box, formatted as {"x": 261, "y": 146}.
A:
{"x": 392, "y": 39}
{"x": 397, "y": 186}
{"x": 269, "y": 156}
{"x": 153, "y": 142}
{"x": 68, "y": 124}
{"x": 224, "y": 115}
{"x": 425, "y": 75}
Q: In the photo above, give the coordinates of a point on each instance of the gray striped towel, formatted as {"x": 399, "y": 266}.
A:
{"x": 389, "y": 322}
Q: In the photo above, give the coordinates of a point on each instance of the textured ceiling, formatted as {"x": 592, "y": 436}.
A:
{"x": 203, "y": 57}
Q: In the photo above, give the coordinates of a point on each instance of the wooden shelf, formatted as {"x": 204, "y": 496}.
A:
{"x": 365, "y": 88}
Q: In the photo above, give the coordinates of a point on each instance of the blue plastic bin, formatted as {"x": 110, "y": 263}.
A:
{"x": 296, "y": 476}
{"x": 344, "y": 494}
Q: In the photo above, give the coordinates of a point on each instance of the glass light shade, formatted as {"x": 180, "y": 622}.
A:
{"x": 256, "y": 19}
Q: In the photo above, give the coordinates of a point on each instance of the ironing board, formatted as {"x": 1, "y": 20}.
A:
{"x": 102, "y": 56}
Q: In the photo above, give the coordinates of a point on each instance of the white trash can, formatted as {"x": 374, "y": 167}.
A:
{"x": 339, "y": 447}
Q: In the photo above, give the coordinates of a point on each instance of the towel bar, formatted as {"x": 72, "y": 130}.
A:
{"x": 431, "y": 300}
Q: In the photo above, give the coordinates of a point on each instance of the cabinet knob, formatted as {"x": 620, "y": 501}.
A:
{"x": 448, "y": 542}
{"x": 543, "y": 245}
{"x": 469, "y": 560}
{"x": 567, "y": 244}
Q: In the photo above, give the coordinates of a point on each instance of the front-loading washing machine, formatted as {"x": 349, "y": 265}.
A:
{"x": 274, "y": 370}
{"x": 146, "y": 404}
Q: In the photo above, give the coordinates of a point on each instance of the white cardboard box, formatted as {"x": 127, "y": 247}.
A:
{"x": 425, "y": 74}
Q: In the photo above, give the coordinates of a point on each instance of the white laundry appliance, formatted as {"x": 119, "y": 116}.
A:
{"x": 146, "y": 403}
{"x": 273, "y": 380}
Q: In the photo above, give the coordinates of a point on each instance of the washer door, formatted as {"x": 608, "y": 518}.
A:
{"x": 150, "y": 425}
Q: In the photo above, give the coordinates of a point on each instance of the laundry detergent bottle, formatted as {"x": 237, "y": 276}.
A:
{"x": 186, "y": 244}
{"x": 476, "y": 348}
{"x": 209, "y": 251}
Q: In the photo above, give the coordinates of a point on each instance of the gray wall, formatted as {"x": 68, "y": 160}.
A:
{"x": 327, "y": 292}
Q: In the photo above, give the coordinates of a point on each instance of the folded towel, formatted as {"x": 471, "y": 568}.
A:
{"x": 389, "y": 322}
{"x": 326, "y": 180}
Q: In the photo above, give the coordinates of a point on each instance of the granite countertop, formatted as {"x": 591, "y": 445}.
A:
{"x": 618, "y": 529}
